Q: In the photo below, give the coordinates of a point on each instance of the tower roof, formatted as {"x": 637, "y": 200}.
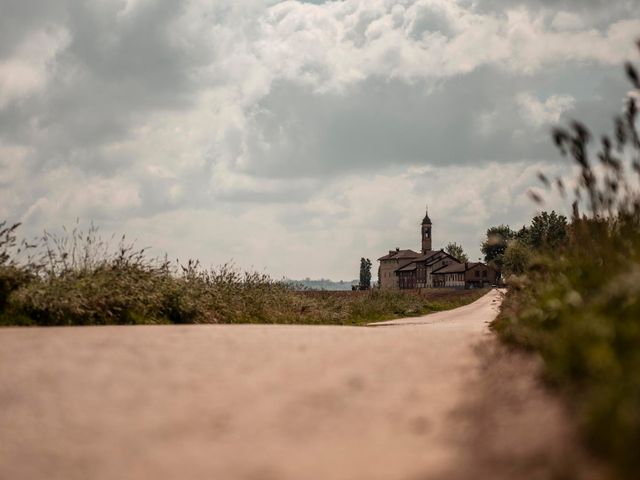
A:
{"x": 426, "y": 220}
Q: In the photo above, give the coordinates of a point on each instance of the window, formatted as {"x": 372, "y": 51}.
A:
{"x": 477, "y": 273}
{"x": 484, "y": 273}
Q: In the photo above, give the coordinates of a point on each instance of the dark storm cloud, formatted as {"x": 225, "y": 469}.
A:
{"x": 466, "y": 120}
{"x": 119, "y": 68}
{"x": 19, "y": 18}
{"x": 116, "y": 66}
{"x": 115, "y": 69}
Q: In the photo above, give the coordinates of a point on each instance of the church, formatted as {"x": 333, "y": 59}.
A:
{"x": 408, "y": 269}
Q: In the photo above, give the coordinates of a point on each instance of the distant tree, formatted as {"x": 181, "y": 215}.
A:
{"x": 517, "y": 257}
{"x": 513, "y": 250}
{"x": 547, "y": 230}
{"x": 365, "y": 273}
{"x": 456, "y": 251}
{"x": 522, "y": 234}
{"x": 495, "y": 245}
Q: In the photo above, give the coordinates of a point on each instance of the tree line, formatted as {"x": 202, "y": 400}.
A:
{"x": 510, "y": 251}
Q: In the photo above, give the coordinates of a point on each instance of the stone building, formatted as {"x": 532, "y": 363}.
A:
{"x": 408, "y": 269}
{"x": 411, "y": 269}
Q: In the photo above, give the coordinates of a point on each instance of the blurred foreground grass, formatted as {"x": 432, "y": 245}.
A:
{"x": 580, "y": 310}
{"x": 578, "y": 304}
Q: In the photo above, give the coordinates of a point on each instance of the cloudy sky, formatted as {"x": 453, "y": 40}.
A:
{"x": 295, "y": 137}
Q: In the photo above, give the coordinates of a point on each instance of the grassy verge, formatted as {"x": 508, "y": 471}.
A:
{"x": 578, "y": 305}
{"x": 580, "y": 311}
{"x": 358, "y": 308}
{"x": 78, "y": 279}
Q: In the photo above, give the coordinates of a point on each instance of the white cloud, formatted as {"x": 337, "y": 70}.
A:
{"x": 548, "y": 112}
{"x": 27, "y": 70}
{"x": 567, "y": 21}
{"x": 354, "y": 217}
{"x": 75, "y": 196}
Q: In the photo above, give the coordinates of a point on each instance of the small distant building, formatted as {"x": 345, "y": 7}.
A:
{"x": 408, "y": 269}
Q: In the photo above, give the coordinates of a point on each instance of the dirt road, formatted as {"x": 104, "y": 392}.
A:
{"x": 250, "y": 401}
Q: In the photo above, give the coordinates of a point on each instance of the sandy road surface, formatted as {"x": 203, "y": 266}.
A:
{"x": 240, "y": 402}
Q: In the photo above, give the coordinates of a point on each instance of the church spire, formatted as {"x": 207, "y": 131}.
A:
{"x": 425, "y": 232}
{"x": 426, "y": 220}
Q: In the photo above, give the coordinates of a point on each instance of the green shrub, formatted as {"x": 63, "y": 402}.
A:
{"x": 578, "y": 305}
{"x": 12, "y": 276}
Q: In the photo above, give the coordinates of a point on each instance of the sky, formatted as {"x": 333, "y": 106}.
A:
{"x": 295, "y": 137}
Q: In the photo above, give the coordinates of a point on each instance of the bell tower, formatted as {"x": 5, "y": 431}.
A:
{"x": 426, "y": 232}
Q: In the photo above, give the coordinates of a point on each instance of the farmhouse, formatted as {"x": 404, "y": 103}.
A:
{"x": 407, "y": 269}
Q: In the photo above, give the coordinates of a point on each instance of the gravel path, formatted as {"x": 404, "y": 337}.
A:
{"x": 241, "y": 401}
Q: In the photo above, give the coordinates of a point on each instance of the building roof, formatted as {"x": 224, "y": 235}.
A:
{"x": 434, "y": 256}
{"x": 457, "y": 267}
{"x": 451, "y": 268}
{"x": 407, "y": 268}
{"x": 398, "y": 254}
{"x": 426, "y": 256}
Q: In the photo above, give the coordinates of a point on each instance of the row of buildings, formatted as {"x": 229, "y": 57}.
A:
{"x": 407, "y": 269}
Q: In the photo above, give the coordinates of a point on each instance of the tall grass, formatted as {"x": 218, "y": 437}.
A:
{"x": 579, "y": 304}
{"x": 78, "y": 278}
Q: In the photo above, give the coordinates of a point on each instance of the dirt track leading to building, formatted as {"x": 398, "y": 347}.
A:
{"x": 407, "y": 400}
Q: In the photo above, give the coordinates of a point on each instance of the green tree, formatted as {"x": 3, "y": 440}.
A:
{"x": 365, "y": 273}
{"x": 495, "y": 245}
{"x": 456, "y": 251}
{"x": 522, "y": 234}
{"x": 547, "y": 230}
{"x": 517, "y": 257}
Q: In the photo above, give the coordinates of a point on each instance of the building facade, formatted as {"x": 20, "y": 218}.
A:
{"x": 391, "y": 262}
{"x": 465, "y": 275}
{"x": 418, "y": 273}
